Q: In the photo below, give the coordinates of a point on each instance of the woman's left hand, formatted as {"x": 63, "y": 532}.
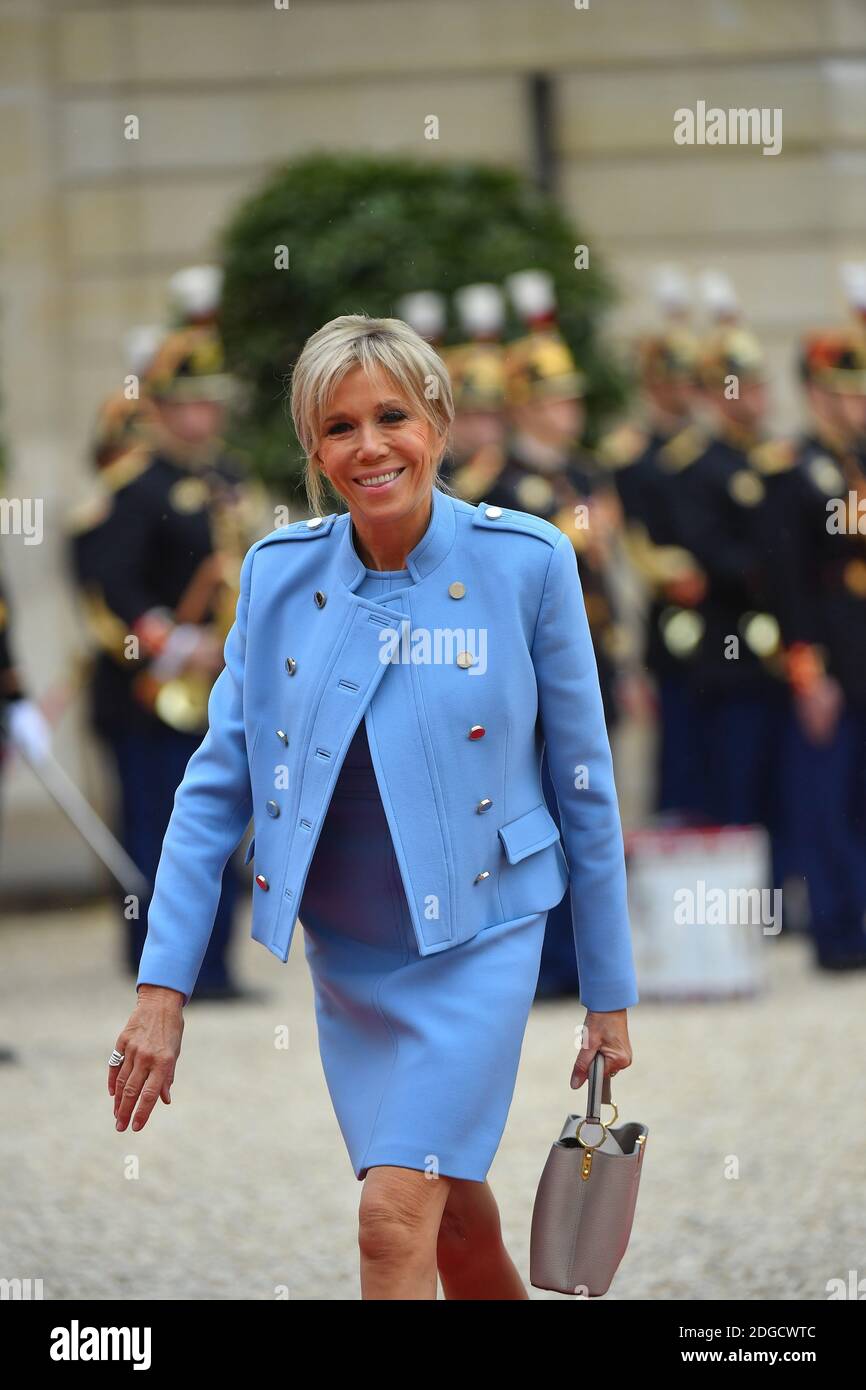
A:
{"x": 606, "y": 1033}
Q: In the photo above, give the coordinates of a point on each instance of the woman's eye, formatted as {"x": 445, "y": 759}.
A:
{"x": 389, "y": 417}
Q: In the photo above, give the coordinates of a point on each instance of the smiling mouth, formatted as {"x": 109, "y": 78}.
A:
{"x": 377, "y": 480}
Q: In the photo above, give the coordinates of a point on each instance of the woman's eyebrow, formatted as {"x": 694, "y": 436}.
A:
{"x": 380, "y": 405}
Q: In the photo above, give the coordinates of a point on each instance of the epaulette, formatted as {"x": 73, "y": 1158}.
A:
{"x": 494, "y": 518}
{"x": 96, "y": 508}
{"x": 125, "y": 469}
{"x": 300, "y": 530}
{"x": 473, "y": 479}
{"x": 776, "y": 456}
{"x": 622, "y": 447}
{"x": 683, "y": 448}
{"x": 86, "y": 515}
{"x": 659, "y": 565}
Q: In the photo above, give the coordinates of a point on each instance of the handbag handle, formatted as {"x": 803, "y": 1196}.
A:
{"x": 598, "y": 1089}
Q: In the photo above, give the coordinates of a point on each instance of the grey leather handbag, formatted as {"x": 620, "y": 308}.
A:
{"x": 584, "y": 1207}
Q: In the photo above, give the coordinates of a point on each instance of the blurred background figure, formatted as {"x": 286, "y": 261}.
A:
{"x": 157, "y": 553}
{"x": 645, "y": 459}
{"x": 477, "y": 371}
{"x": 731, "y": 642}
{"x": 819, "y": 586}
{"x": 546, "y": 472}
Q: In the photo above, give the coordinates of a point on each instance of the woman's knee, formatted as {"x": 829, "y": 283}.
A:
{"x": 399, "y": 1213}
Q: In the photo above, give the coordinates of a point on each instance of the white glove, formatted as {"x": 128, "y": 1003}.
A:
{"x": 182, "y": 641}
{"x": 29, "y": 730}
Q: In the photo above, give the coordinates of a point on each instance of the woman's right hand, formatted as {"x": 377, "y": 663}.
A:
{"x": 150, "y": 1044}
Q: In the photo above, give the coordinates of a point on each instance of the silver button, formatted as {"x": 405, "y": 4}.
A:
{"x": 465, "y": 659}
{"x": 484, "y": 805}
{"x": 272, "y": 809}
{"x": 485, "y": 873}
{"x": 315, "y": 521}
{"x": 493, "y": 511}
{"x": 283, "y": 736}
{"x": 320, "y": 598}
{"x": 291, "y": 665}
{"x": 457, "y": 590}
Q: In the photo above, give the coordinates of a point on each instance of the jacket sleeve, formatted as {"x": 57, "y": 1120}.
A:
{"x": 212, "y": 808}
{"x": 581, "y": 768}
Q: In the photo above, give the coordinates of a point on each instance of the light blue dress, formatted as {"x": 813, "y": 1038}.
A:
{"x": 420, "y": 1053}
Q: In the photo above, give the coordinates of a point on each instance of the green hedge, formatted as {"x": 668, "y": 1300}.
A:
{"x": 361, "y": 232}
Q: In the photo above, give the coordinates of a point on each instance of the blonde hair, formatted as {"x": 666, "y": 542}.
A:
{"x": 387, "y": 345}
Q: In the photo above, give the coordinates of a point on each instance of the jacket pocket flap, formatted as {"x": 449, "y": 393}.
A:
{"x": 251, "y": 849}
{"x": 532, "y": 831}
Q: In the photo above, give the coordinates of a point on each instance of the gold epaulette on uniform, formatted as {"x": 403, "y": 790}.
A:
{"x": 621, "y": 447}
{"x": 776, "y": 456}
{"x": 472, "y": 480}
{"x": 683, "y": 448}
{"x": 657, "y": 564}
{"x": 94, "y": 509}
{"x": 123, "y": 470}
{"x": 88, "y": 514}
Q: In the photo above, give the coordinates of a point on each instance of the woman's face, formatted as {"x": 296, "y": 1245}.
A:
{"x": 371, "y": 429}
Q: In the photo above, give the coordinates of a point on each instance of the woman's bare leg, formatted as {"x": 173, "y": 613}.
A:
{"x": 472, "y": 1260}
{"x": 398, "y": 1225}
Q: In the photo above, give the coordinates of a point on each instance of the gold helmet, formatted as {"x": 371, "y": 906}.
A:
{"x": 477, "y": 372}
{"x": 189, "y": 366}
{"x": 477, "y": 366}
{"x": 540, "y": 367}
{"x": 669, "y": 356}
{"x": 730, "y": 351}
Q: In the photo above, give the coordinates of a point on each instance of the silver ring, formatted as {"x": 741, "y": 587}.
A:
{"x": 116, "y": 1058}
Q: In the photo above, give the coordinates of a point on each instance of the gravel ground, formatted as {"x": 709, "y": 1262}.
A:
{"x": 242, "y": 1187}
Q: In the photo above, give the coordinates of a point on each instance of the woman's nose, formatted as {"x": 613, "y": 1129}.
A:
{"x": 371, "y": 442}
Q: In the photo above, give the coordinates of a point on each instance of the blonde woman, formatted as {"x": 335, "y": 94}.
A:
{"x": 390, "y": 680}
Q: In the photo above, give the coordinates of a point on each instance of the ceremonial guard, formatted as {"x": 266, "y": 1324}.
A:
{"x": 819, "y": 577}
{"x": 645, "y": 461}
{"x": 729, "y": 639}
{"x": 477, "y": 371}
{"x": 547, "y": 474}
{"x": 157, "y": 554}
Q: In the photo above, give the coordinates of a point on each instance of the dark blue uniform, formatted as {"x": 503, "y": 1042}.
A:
{"x": 819, "y": 574}
{"x": 554, "y": 496}
{"x": 646, "y": 466}
{"x": 154, "y": 526}
{"x": 734, "y": 669}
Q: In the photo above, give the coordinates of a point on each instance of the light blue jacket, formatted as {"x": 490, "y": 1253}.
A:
{"x": 456, "y": 741}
